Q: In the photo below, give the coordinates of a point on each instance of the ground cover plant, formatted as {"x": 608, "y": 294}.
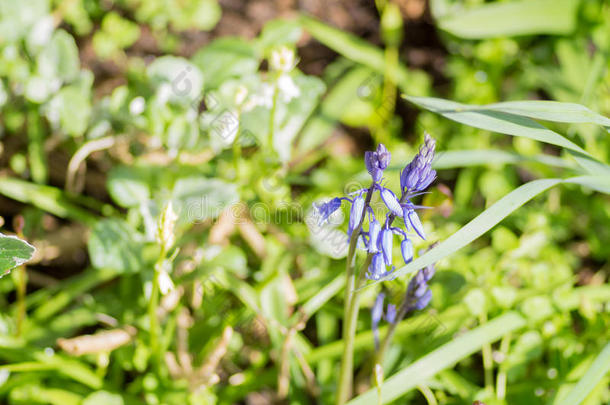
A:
{"x": 232, "y": 202}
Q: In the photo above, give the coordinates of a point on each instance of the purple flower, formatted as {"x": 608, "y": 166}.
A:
{"x": 374, "y": 231}
{"x": 390, "y": 200}
{"x": 376, "y": 162}
{"x": 355, "y": 214}
{"x": 412, "y": 221}
{"x": 418, "y": 174}
{"x": 385, "y": 245}
{"x": 418, "y": 293}
{"x": 390, "y": 314}
{"x": 406, "y": 248}
{"x": 376, "y": 315}
{"x": 377, "y": 269}
{"x": 326, "y": 209}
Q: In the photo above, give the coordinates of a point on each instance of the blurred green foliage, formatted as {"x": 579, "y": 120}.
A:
{"x": 243, "y": 150}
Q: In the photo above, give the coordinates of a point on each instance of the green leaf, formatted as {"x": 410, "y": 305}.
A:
{"x": 114, "y": 245}
{"x": 360, "y": 51}
{"x": 200, "y": 198}
{"x": 128, "y": 186}
{"x": 13, "y": 252}
{"x": 59, "y": 59}
{"x": 442, "y": 358}
{"x": 597, "y": 371}
{"x": 539, "y": 109}
{"x": 278, "y": 32}
{"x": 225, "y": 58}
{"x": 523, "y": 17}
{"x": 185, "y": 80}
{"x": 494, "y": 120}
{"x": 451, "y": 159}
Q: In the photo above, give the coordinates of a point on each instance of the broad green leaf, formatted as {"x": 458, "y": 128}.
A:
{"x": 177, "y": 79}
{"x": 17, "y": 18}
{"x": 521, "y": 17}
{"x": 442, "y": 358}
{"x": 128, "y": 186}
{"x": 13, "y": 252}
{"x": 59, "y": 59}
{"x": 114, "y": 245}
{"x": 290, "y": 120}
{"x": 225, "y": 58}
{"x": 597, "y": 371}
{"x": 200, "y": 198}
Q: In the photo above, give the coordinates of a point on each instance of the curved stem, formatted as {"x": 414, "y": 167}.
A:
{"x": 428, "y": 394}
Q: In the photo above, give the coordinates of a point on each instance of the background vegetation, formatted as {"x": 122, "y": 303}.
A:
{"x": 111, "y": 109}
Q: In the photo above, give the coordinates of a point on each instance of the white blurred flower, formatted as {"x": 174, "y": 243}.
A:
{"x": 165, "y": 282}
{"x": 41, "y": 32}
{"x": 165, "y": 232}
{"x": 282, "y": 59}
{"x": 263, "y": 97}
{"x": 137, "y": 105}
{"x": 241, "y": 94}
{"x": 287, "y": 88}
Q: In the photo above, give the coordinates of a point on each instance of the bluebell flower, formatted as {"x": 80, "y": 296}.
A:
{"x": 325, "y": 210}
{"x": 377, "y": 269}
{"x": 406, "y": 248}
{"x": 391, "y": 201}
{"x": 376, "y": 162}
{"x": 385, "y": 245}
{"x": 411, "y": 220}
{"x": 355, "y": 214}
{"x": 374, "y": 231}
{"x": 418, "y": 174}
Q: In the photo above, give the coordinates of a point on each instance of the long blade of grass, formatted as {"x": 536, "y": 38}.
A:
{"x": 452, "y": 159}
{"x": 523, "y": 17}
{"x": 442, "y": 358}
{"x": 597, "y": 371}
{"x": 47, "y": 198}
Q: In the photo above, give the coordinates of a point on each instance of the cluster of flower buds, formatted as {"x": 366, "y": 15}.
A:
{"x": 418, "y": 294}
{"x": 378, "y": 239}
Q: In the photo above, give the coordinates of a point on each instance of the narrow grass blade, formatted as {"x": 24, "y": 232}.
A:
{"x": 442, "y": 358}
{"x": 47, "y": 198}
{"x": 494, "y": 121}
{"x": 597, "y": 371}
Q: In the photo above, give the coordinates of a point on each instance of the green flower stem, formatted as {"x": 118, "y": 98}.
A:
{"x": 153, "y": 304}
{"x": 487, "y": 360}
{"x": 272, "y": 116}
{"x": 349, "y": 333}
